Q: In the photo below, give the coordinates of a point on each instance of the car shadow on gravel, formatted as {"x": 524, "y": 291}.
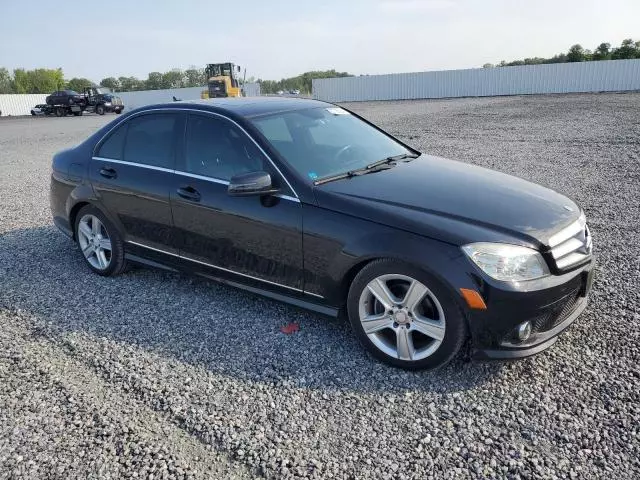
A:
{"x": 221, "y": 328}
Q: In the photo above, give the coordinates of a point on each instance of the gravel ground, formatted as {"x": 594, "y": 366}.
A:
{"x": 158, "y": 375}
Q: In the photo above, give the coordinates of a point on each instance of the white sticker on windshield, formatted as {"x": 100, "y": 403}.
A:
{"x": 337, "y": 111}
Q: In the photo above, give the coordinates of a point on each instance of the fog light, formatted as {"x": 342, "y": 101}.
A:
{"x": 524, "y": 331}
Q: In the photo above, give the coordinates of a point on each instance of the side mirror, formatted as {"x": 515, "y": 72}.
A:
{"x": 252, "y": 183}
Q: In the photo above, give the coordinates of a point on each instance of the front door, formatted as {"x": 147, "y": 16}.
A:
{"x": 250, "y": 239}
{"x": 132, "y": 177}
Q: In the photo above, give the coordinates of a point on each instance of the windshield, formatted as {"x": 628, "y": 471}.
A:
{"x": 326, "y": 141}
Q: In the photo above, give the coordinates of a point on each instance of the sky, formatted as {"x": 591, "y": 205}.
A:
{"x": 281, "y": 38}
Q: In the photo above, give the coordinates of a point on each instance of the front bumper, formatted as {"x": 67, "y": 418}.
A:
{"x": 110, "y": 107}
{"x": 550, "y": 310}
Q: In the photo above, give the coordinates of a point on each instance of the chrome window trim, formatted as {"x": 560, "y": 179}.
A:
{"x": 226, "y": 182}
{"x": 134, "y": 164}
{"x": 186, "y": 174}
{"x": 172, "y": 109}
{"x": 221, "y": 268}
{"x": 202, "y": 177}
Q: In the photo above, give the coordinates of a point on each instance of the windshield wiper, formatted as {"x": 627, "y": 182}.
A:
{"x": 383, "y": 164}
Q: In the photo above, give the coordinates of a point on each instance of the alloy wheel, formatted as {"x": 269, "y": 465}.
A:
{"x": 402, "y": 317}
{"x": 94, "y": 242}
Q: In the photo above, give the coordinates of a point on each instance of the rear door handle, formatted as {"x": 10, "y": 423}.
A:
{"x": 189, "y": 193}
{"x": 108, "y": 172}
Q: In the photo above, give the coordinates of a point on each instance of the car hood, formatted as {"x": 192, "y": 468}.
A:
{"x": 452, "y": 201}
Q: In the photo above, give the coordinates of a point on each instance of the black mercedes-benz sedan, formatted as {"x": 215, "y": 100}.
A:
{"x": 308, "y": 203}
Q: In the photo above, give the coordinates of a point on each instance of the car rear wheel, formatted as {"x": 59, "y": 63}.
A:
{"x": 405, "y": 317}
{"x": 100, "y": 109}
{"x": 100, "y": 243}
{"x": 60, "y": 112}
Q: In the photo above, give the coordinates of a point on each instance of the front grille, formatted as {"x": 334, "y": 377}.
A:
{"x": 572, "y": 245}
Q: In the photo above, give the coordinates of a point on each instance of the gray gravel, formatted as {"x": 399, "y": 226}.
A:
{"x": 152, "y": 373}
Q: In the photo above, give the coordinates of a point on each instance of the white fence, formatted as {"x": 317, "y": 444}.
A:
{"x": 602, "y": 76}
{"x": 22, "y": 104}
{"x": 252, "y": 89}
{"x": 133, "y": 100}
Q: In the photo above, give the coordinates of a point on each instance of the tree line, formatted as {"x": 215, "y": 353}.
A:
{"x": 43, "y": 80}
{"x": 300, "y": 82}
{"x": 628, "y": 49}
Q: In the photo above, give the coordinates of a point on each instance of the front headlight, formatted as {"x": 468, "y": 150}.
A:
{"x": 509, "y": 263}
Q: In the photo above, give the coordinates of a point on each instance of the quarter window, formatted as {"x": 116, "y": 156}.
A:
{"x": 112, "y": 146}
{"x": 216, "y": 148}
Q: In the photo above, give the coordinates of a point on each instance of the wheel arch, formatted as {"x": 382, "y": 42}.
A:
{"x": 437, "y": 259}
{"x": 73, "y": 214}
{"x": 82, "y": 202}
{"x": 347, "y": 279}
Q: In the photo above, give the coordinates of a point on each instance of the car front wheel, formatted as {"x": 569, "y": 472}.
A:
{"x": 404, "y": 316}
{"x": 100, "y": 243}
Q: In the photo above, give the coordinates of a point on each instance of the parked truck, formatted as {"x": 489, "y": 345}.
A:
{"x": 93, "y": 99}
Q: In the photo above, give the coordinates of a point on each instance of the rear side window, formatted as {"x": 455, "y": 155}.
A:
{"x": 113, "y": 146}
{"x": 150, "y": 140}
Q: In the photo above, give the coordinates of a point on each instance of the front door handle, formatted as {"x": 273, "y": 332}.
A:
{"x": 189, "y": 193}
{"x": 108, "y": 172}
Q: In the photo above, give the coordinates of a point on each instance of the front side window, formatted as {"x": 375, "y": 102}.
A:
{"x": 216, "y": 148}
{"x": 325, "y": 141}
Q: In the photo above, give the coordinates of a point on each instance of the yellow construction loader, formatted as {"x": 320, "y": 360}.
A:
{"x": 222, "y": 81}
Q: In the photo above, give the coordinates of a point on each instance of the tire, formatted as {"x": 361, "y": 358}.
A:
{"x": 118, "y": 112}
{"x": 395, "y": 333}
{"x": 90, "y": 237}
{"x": 78, "y": 114}
{"x": 100, "y": 109}
{"x": 60, "y": 112}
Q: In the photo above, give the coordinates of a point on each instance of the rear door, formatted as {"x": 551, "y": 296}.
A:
{"x": 252, "y": 239}
{"x": 132, "y": 172}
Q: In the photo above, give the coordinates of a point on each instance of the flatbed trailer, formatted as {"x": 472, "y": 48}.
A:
{"x": 63, "y": 110}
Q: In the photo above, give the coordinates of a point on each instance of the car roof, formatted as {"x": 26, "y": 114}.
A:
{"x": 247, "y": 106}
